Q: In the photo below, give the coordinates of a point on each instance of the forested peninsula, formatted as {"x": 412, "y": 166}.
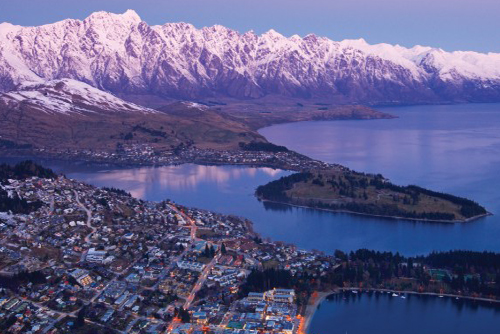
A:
{"x": 368, "y": 194}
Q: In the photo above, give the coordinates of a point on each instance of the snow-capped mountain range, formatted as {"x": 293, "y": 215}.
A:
{"x": 123, "y": 55}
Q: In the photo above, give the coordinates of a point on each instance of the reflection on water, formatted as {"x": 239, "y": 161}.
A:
{"x": 447, "y": 148}
{"x": 381, "y": 313}
{"x": 141, "y": 182}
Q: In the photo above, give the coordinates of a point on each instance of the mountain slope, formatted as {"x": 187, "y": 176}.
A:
{"x": 121, "y": 54}
{"x": 68, "y": 114}
{"x": 69, "y": 96}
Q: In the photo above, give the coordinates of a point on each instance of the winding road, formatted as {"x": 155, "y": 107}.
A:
{"x": 89, "y": 216}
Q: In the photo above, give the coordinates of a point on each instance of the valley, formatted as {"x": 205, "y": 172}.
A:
{"x": 69, "y": 116}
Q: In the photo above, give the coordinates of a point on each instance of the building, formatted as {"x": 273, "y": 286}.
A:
{"x": 109, "y": 313}
{"x": 288, "y": 327}
{"x": 95, "y": 256}
{"x": 195, "y": 266}
{"x": 82, "y": 277}
{"x": 281, "y": 295}
{"x": 256, "y": 296}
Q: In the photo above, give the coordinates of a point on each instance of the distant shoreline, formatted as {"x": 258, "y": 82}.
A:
{"x": 251, "y": 165}
{"x": 119, "y": 164}
{"x": 468, "y": 220}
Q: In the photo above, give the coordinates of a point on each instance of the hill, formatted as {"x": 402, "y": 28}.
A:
{"x": 348, "y": 191}
{"x": 69, "y": 114}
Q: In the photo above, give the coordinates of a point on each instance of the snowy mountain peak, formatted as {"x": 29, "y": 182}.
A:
{"x": 67, "y": 96}
{"x": 6, "y": 28}
{"x": 273, "y": 34}
{"x": 132, "y": 14}
{"x": 120, "y": 53}
{"x": 129, "y": 16}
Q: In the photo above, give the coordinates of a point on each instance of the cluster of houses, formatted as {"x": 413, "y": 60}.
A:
{"x": 147, "y": 154}
{"x": 131, "y": 264}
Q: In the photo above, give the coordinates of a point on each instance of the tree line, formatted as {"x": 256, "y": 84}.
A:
{"x": 24, "y": 170}
{"x": 266, "y": 147}
{"x": 355, "y": 185}
{"x": 467, "y": 273}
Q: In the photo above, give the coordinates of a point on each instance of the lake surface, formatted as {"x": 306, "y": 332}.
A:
{"x": 380, "y": 313}
{"x": 447, "y": 148}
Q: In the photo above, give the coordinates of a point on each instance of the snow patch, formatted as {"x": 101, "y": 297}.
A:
{"x": 67, "y": 96}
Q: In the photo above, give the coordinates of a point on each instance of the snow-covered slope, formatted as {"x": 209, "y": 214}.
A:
{"x": 121, "y": 54}
{"x": 69, "y": 114}
{"x": 68, "y": 96}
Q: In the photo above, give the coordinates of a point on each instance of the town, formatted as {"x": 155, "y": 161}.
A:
{"x": 148, "y": 155}
{"x": 98, "y": 258}
{"x": 75, "y": 258}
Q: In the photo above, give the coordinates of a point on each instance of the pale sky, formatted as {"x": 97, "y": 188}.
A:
{"x": 448, "y": 24}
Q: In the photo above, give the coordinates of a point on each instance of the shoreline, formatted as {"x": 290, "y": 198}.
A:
{"x": 468, "y": 220}
{"x": 312, "y": 308}
{"x": 248, "y": 165}
{"x": 131, "y": 164}
{"x": 432, "y": 294}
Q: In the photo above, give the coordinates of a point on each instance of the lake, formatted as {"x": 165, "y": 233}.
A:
{"x": 454, "y": 149}
{"x": 380, "y": 313}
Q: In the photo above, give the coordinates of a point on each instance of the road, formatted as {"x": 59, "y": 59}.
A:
{"x": 208, "y": 267}
{"x": 191, "y": 221}
{"x": 179, "y": 257}
{"x": 89, "y": 216}
{"x": 201, "y": 281}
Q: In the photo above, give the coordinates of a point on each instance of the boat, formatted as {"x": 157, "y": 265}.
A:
{"x": 354, "y": 291}
{"x": 404, "y": 297}
{"x": 395, "y": 294}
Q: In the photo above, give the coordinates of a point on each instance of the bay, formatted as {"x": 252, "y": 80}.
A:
{"x": 380, "y": 313}
{"x": 454, "y": 149}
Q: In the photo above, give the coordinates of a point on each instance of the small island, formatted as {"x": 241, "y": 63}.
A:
{"x": 343, "y": 190}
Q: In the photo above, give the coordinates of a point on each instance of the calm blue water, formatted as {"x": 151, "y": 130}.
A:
{"x": 454, "y": 149}
{"x": 449, "y": 148}
{"x": 381, "y": 313}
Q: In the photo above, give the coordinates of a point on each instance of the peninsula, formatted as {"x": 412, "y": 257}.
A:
{"x": 75, "y": 258}
{"x": 343, "y": 190}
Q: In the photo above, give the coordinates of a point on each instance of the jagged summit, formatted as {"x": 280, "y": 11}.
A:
{"x": 129, "y": 15}
{"x": 122, "y": 54}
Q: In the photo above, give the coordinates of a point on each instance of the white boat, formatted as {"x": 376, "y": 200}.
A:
{"x": 395, "y": 295}
{"x": 354, "y": 291}
{"x": 404, "y": 297}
